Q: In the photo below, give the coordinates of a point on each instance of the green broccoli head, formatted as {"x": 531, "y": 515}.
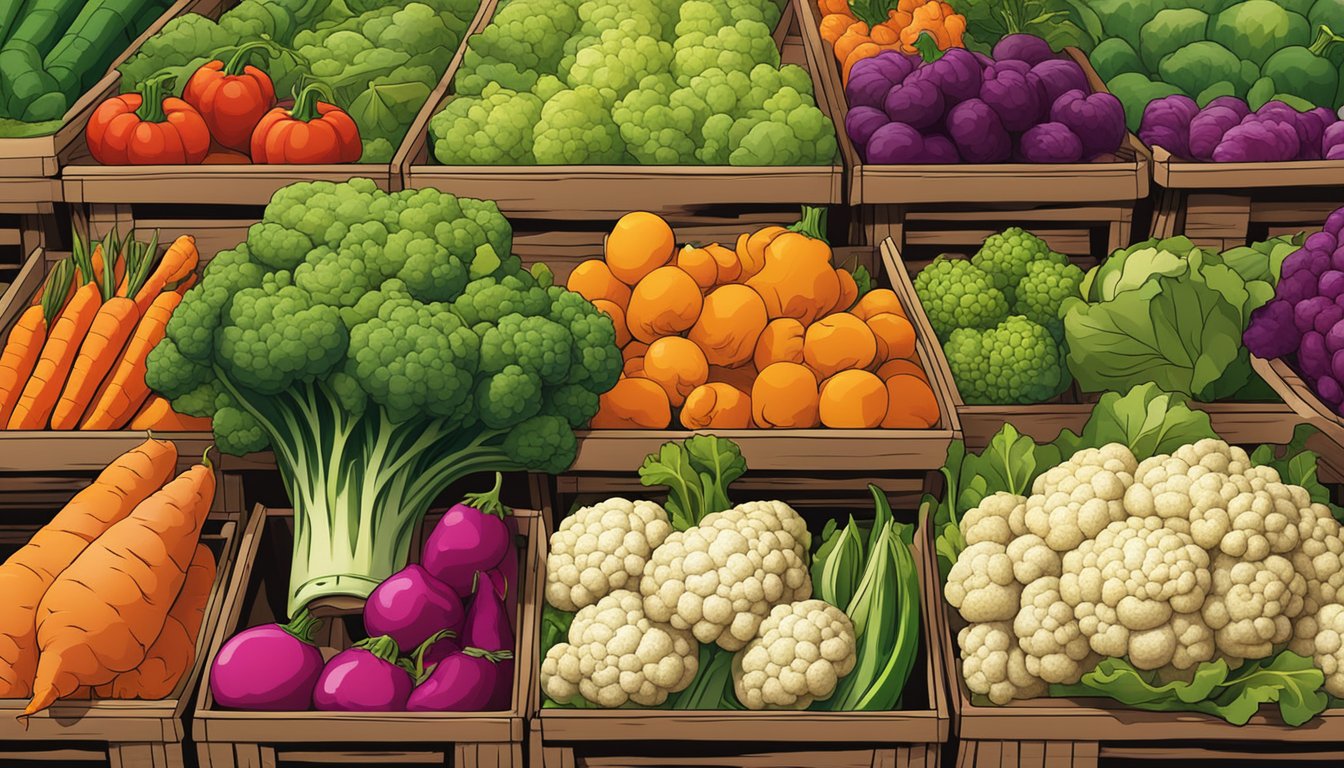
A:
{"x": 619, "y": 60}
{"x": 1016, "y": 361}
{"x": 576, "y": 128}
{"x": 494, "y": 129}
{"x": 658, "y": 128}
{"x": 737, "y": 47}
{"x": 1005, "y": 257}
{"x": 1042, "y": 292}
{"x": 524, "y": 39}
{"x": 958, "y": 294}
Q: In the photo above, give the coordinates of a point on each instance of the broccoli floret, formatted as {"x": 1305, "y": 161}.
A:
{"x": 1005, "y": 256}
{"x": 1016, "y": 361}
{"x": 1043, "y": 289}
{"x": 525, "y": 39}
{"x": 738, "y": 47}
{"x": 787, "y": 130}
{"x": 617, "y": 62}
{"x": 495, "y": 129}
{"x": 706, "y": 18}
{"x": 657, "y": 131}
{"x": 182, "y": 46}
{"x": 957, "y": 294}
{"x": 576, "y": 128}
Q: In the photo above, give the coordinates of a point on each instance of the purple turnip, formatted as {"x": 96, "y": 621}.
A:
{"x": 410, "y": 606}
{"x": 271, "y": 667}
{"x": 471, "y": 537}
{"x": 441, "y": 648}
{"x": 368, "y": 677}
{"x": 487, "y": 626}
{"x": 466, "y": 681}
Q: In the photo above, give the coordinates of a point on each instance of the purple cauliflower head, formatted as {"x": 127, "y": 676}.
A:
{"x": 871, "y": 78}
{"x": 1058, "y": 77}
{"x": 1233, "y": 103}
{"x": 957, "y": 73}
{"x": 1258, "y": 140}
{"x": 1208, "y": 128}
{"x": 1166, "y": 124}
{"x": 903, "y": 144}
{"x": 1016, "y": 98}
{"x": 1051, "y": 143}
{"x": 1332, "y": 141}
{"x": 979, "y": 133}
{"x": 861, "y": 123}
{"x": 1097, "y": 119}
{"x": 1272, "y": 332}
{"x": 917, "y": 102}
{"x": 1311, "y": 127}
{"x": 1334, "y": 224}
{"x": 940, "y": 150}
{"x": 1021, "y": 47}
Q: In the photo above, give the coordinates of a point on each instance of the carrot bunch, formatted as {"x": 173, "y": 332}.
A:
{"x": 76, "y": 358}
{"x": 767, "y": 334}
{"x": 107, "y": 599}
{"x": 882, "y": 26}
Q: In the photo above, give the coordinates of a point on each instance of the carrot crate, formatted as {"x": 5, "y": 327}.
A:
{"x": 912, "y": 736}
{"x": 122, "y": 733}
{"x": 257, "y": 594}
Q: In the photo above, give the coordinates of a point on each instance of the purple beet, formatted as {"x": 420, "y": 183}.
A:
{"x": 466, "y": 681}
{"x": 487, "y": 626}
{"x": 271, "y": 667}
{"x": 471, "y": 537}
{"x": 365, "y": 678}
{"x": 410, "y": 606}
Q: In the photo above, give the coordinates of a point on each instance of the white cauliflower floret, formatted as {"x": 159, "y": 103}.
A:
{"x": 799, "y": 655}
{"x": 1077, "y": 499}
{"x": 1049, "y": 635}
{"x": 1253, "y": 604}
{"x": 1191, "y": 643}
{"x": 1319, "y": 558}
{"x": 1328, "y": 647}
{"x": 1265, "y": 521}
{"x": 617, "y": 654}
{"x": 993, "y": 665}
{"x": 602, "y": 548}
{"x": 1215, "y": 456}
{"x": 981, "y": 584}
{"x": 1032, "y": 559}
{"x": 720, "y": 578}
{"x": 993, "y": 519}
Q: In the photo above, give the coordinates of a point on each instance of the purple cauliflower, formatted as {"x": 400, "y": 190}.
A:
{"x": 1051, "y": 143}
{"x": 940, "y": 149}
{"x": 1305, "y": 312}
{"x": 1311, "y": 127}
{"x": 1098, "y": 120}
{"x": 1328, "y": 319}
{"x": 1166, "y": 124}
{"x": 1328, "y": 389}
{"x": 1332, "y": 141}
{"x": 1334, "y": 224}
{"x": 1012, "y": 65}
{"x": 1208, "y": 128}
{"x": 1029, "y": 48}
{"x": 1312, "y": 355}
{"x": 1015, "y": 97}
{"x": 979, "y": 133}
{"x": 1330, "y": 285}
{"x": 1258, "y": 140}
{"x": 1334, "y": 335}
{"x": 902, "y": 144}
{"x": 1277, "y": 110}
{"x": 1058, "y": 77}
{"x": 917, "y": 102}
{"x": 984, "y": 60}
{"x": 861, "y": 123}
{"x": 871, "y": 78}
{"x": 1239, "y": 106}
{"x": 957, "y": 73}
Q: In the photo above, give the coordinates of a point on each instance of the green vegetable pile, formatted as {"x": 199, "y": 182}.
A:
{"x": 654, "y": 82}
{"x": 380, "y": 59}
{"x": 383, "y": 346}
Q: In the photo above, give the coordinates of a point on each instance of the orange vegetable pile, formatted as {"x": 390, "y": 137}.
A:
{"x": 107, "y": 599}
{"x": 853, "y": 39}
{"x": 76, "y": 358}
{"x": 766, "y": 334}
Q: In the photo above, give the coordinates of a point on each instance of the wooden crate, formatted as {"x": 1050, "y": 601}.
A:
{"x": 630, "y": 738}
{"x": 257, "y": 594}
{"x": 1224, "y": 205}
{"x": 114, "y": 733}
{"x": 1305, "y": 405}
{"x": 1075, "y": 207}
{"x": 561, "y": 213}
{"x": 815, "y": 449}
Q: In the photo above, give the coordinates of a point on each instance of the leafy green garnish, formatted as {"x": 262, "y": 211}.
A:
{"x": 696, "y": 473}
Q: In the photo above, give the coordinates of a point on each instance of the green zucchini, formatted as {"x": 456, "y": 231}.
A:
{"x": 98, "y": 34}
{"x": 22, "y": 78}
{"x": 9, "y": 12}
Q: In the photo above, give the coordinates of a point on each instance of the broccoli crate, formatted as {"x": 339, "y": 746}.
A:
{"x": 257, "y": 594}
{"x": 36, "y": 480}
{"x": 913, "y": 736}
{"x": 1229, "y": 204}
{"x": 562, "y": 212}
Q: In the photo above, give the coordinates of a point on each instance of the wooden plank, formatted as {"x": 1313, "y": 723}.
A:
{"x": 359, "y": 757}
{"x": 1173, "y": 173}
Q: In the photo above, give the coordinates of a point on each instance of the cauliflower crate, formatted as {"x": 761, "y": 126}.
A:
{"x": 257, "y": 595}
{"x": 36, "y": 481}
{"x": 761, "y": 669}
{"x": 566, "y": 156}
{"x": 1138, "y": 591}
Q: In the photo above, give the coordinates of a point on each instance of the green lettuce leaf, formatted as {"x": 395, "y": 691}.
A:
{"x": 1146, "y": 419}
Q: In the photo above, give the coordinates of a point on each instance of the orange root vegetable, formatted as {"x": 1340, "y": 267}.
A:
{"x": 158, "y": 415}
{"x": 833, "y": 26}
{"x": 849, "y": 290}
{"x": 88, "y": 635}
{"x": 877, "y": 301}
{"x": 177, "y": 263}
{"x": 727, "y": 263}
{"x": 780, "y": 342}
{"x": 829, "y": 7}
{"x": 730, "y": 323}
{"x": 853, "y": 400}
{"x": 751, "y": 250}
{"x": 126, "y": 390}
{"x": 857, "y": 34}
{"x": 716, "y": 406}
{"x": 896, "y": 367}
{"x": 639, "y": 243}
{"x": 677, "y": 365}
{"x": 797, "y": 279}
{"x": 107, "y": 336}
{"x": 665, "y": 303}
{"x": 740, "y": 378}
{"x": 837, "y": 343}
{"x": 593, "y": 280}
{"x": 895, "y": 337}
{"x": 633, "y": 367}
{"x": 785, "y": 396}
{"x": 910, "y": 403}
{"x": 634, "y": 349}
{"x": 617, "y": 315}
{"x": 634, "y": 403}
{"x": 173, "y": 653}
{"x": 26, "y": 575}
{"x": 700, "y": 265}
{"x": 58, "y": 355}
{"x": 22, "y": 350}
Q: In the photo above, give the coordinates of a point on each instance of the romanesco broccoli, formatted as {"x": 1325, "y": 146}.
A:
{"x": 1043, "y": 289}
{"x": 958, "y": 294}
{"x": 1005, "y": 256}
{"x": 1016, "y": 361}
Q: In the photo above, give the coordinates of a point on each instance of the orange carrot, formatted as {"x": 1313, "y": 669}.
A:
{"x": 178, "y": 262}
{"x": 24, "y": 346}
{"x": 173, "y": 652}
{"x": 126, "y": 390}
{"x": 158, "y": 415}
{"x": 139, "y": 260}
{"x": 186, "y": 285}
{"x": 107, "y": 336}
{"x": 58, "y": 355}
{"x": 26, "y": 575}
{"x": 102, "y": 613}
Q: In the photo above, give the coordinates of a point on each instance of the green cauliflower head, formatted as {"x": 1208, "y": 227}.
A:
{"x": 1016, "y": 361}
{"x": 958, "y": 294}
{"x": 494, "y": 129}
{"x": 1006, "y": 256}
{"x": 1042, "y": 291}
{"x": 576, "y": 128}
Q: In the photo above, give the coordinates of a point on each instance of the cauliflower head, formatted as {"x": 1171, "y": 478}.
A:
{"x": 800, "y": 653}
{"x": 1253, "y": 604}
{"x": 1007, "y": 257}
{"x": 998, "y": 518}
{"x": 1075, "y": 500}
{"x": 981, "y": 584}
{"x": 602, "y": 548}
{"x": 617, "y": 654}
{"x": 721, "y": 578}
{"x": 1047, "y": 632}
{"x": 1328, "y": 647}
{"x": 993, "y": 665}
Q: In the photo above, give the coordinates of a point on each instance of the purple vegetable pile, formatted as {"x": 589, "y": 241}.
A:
{"x": 1025, "y": 104}
{"x": 1227, "y": 131}
{"x": 1305, "y": 320}
{"x": 440, "y": 634}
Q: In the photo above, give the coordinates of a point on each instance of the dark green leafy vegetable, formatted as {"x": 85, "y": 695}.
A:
{"x": 696, "y": 473}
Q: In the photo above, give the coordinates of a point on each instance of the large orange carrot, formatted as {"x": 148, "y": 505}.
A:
{"x": 113, "y": 325}
{"x": 26, "y": 575}
{"x": 173, "y": 653}
{"x": 126, "y": 391}
{"x": 23, "y": 348}
{"x": 158, "y": 415}
{"x": 58, "y": 355}
{"x": 178, "y": 261}
{"x": 101, "y": 615}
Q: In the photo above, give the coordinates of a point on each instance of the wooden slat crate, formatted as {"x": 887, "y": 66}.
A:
{"x": 560, "y": 214}
{"x": 1305, "y": 405}
{"x": 257, "y": 594}
{"x": 913, "y": 737}
{"x": 114, "y": 733}
{"x": 1224, "y": 205}
{"x": 1075, "y": 207}
{"x": 813, "y": 449}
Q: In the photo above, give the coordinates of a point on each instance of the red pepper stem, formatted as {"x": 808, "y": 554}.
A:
{"x": 151, "y": 98}
{"x": 305, "y": 104}
{"x": 237, "y": 63}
